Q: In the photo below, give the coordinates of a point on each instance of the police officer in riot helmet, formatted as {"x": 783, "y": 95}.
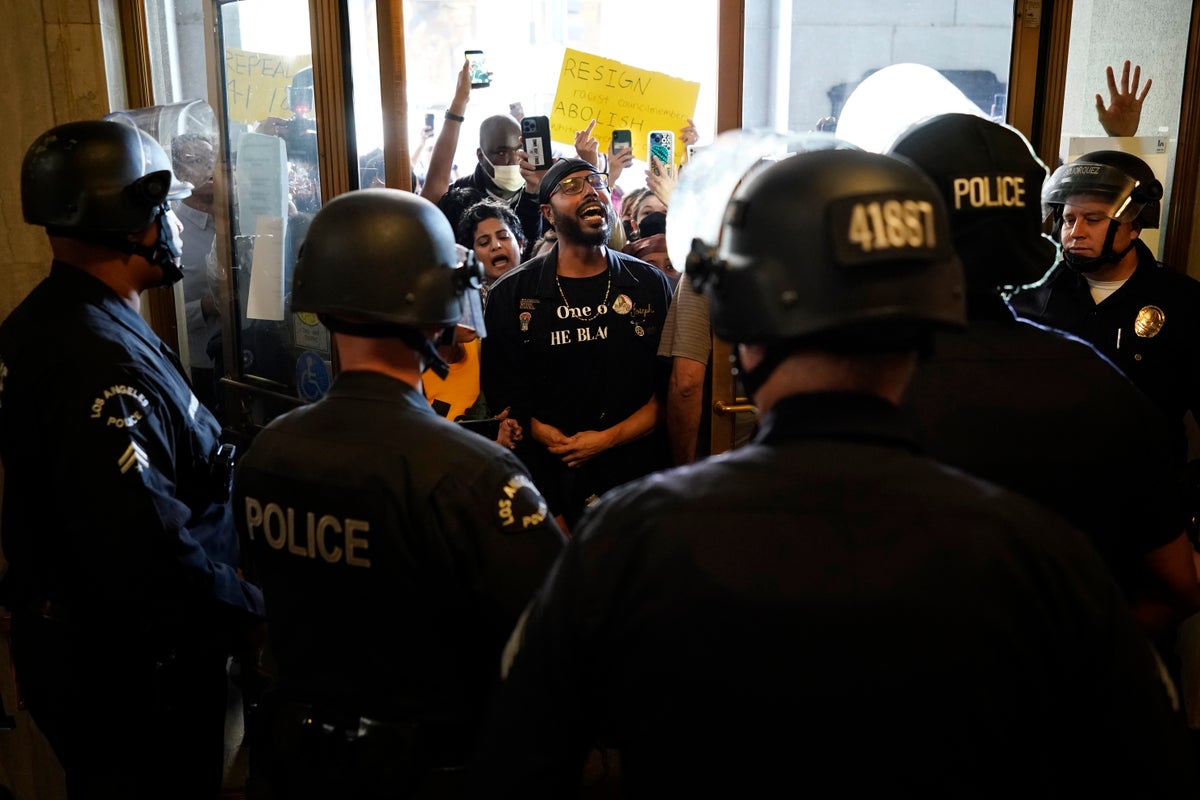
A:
{"x": 395, "y": 549}
{"x": 1109, "y": 289}
{"x": 122, "y": 554}
{"x": 826, "y": 594}
{"x": 1021, "y": 405}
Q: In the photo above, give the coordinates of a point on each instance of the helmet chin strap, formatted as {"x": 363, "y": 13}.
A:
{"x": 1107, "y": 255}
{"x": 753, "y": 379}
{"x": 164, "y": 253}
{"x": 412, "y": 338}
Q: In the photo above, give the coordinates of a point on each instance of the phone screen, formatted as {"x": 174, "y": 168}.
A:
{"x": 479, "y": 71}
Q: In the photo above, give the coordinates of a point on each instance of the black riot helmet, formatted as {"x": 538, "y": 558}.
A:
{"x": 1127, "y": 182}
{"x": 1122, "y": 183}
{"x": 100, "y": 181}
{"x": 992, "y": 183}
{"x": 384, "y": 263}
{"x": 839, "y": 247}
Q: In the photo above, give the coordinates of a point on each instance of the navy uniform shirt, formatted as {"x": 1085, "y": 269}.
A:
{"x": 111, "y": 500}
{"x": 824, "y": 607}
{"x": 1041, "y": 413}
{"x": 581, "y": 355}
{"x": 1149, "y": 327}
{"x": 395, "y": 549}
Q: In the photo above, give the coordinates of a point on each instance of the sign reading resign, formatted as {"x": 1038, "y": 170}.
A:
{"x": 618, "y": 96}
{"x": 256, "y": 84}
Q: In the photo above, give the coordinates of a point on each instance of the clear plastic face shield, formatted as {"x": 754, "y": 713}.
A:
{"x": 167, "y": 252}
{"x": 468, "y": 276}
{"x": 1098, "y": 188}
{"x": 696, "y": 215}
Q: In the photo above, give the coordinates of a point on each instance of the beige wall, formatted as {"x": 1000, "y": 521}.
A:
{"x": 52, "y": 57}
{"x": 53, "y": 62}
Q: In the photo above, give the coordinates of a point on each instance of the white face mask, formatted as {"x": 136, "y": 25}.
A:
{"x": 508, "y": 177}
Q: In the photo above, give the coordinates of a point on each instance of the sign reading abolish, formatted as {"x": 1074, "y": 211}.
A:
{"x": 617, "y": 96}
{"x": 256, "y": 84}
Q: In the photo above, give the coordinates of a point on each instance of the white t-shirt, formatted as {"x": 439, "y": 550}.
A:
{"x": 1102, "y": 289}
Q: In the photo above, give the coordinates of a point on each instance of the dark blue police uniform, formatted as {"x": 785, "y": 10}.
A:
{"x": 581, "y": 355}
{"x": 122, "y": 553}
{"x": 1043, "y": 414}
{"x": 825, "y": 608}
{"x": 396, "y": 552}
{"x": 1149, "y": 327}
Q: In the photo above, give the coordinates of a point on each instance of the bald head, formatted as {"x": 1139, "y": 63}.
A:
{"x": 499, "y": 140}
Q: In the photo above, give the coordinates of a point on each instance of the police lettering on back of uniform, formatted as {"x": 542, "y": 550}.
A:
{"x": 321, "y": 536}
{"x": 989, "y": 191}
{"x": 367, "y": 508}
{"x": 123, "y": 559}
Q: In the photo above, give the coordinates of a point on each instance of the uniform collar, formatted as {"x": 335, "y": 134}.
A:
{"x": 375, "y": 386}
{"x": 1146, "y": 265}
{"x": 836, "y": 415}
{"x": 1070, "y": 278}
{"x": 93, "y": 291}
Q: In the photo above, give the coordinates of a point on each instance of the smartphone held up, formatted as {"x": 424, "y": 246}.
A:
{"x": 622, "y": 140}
{"x": 535, "y": 138}
{"x": 480, "y": 77}
{"x": 661, "y": 146}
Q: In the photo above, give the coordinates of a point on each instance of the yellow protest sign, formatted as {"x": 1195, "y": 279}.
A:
{"x": 618, "y": 95}
{"x": 256, "y": 84}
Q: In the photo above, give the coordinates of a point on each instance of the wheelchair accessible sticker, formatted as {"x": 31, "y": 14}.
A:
{"x": 312, "y": 377}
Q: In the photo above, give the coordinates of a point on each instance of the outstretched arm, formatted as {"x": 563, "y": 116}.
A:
{"x": 437, "y": 179}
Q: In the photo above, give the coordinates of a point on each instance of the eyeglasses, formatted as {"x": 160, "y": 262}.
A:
{"x": 569, "y": 186}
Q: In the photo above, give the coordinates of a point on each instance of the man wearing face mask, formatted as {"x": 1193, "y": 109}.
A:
{"x": 1109, "y": 289}
{"x": 122, "y": 557}
{"x": 504, "y": 175}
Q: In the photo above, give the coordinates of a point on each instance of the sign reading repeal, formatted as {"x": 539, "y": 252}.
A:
{"x": 617, "y": 96}
{"x": 256, "y": 84}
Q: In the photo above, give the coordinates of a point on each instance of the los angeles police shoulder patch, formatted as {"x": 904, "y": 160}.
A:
{"x": 119, "y": 406}
{"x": 519, "y": 505}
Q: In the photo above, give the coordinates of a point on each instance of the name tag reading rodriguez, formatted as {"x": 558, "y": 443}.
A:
{"x": 875, "y": 228}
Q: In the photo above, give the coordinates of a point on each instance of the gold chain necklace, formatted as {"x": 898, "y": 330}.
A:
{"x": 603, "y": 305}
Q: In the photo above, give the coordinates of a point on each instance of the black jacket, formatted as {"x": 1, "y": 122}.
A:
{"x": 111, "y": 496}
{"x": 1160, "y": 354}
{"x": 773, "y": 616}
{"x": 395, "y": 549}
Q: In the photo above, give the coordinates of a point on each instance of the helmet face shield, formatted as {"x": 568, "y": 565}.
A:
{"x": 716, "y": 172}
{"x": 829, "y": 241}
{"x": 1101, "y": 188}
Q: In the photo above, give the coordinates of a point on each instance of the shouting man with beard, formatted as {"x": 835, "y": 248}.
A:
{"x": 571, "y": 349}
